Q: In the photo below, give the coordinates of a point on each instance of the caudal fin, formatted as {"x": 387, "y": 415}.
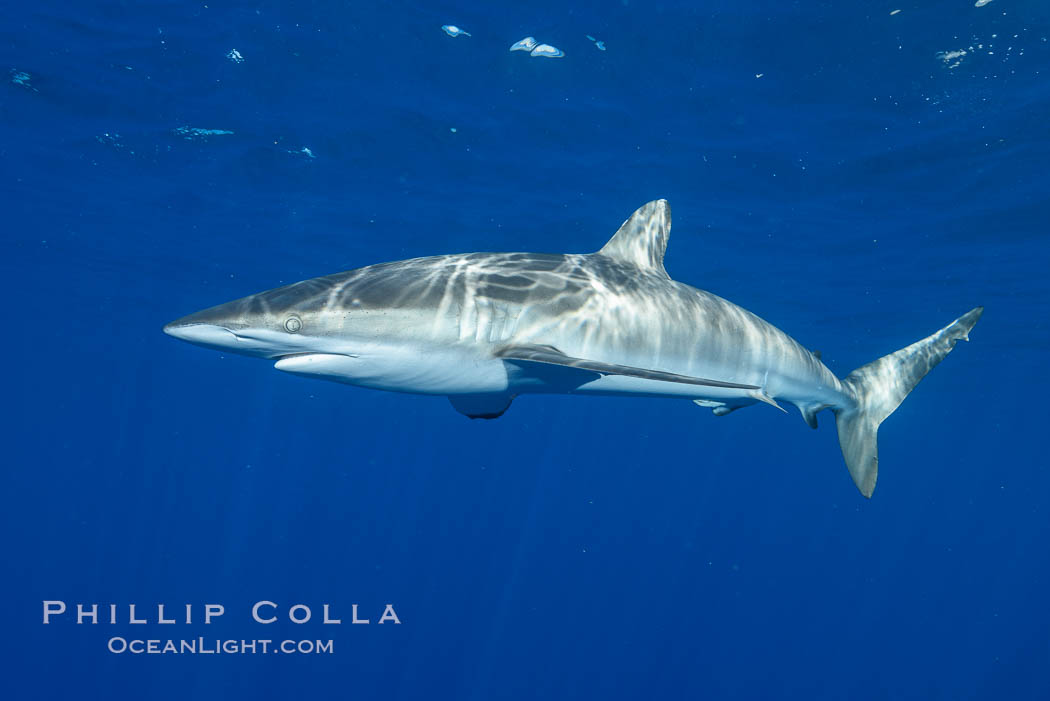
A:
{"x": 880, "y": 387}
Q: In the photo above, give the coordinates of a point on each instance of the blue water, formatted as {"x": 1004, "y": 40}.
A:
{"x": 859, "y": 194}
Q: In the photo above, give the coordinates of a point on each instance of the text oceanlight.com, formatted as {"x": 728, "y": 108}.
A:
{"x": 203, "y": 646}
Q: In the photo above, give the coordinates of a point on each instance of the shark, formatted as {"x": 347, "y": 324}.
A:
{"x": 485, "y": 328}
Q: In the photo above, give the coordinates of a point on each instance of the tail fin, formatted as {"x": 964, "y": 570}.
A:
{"x": 880, "y": 387}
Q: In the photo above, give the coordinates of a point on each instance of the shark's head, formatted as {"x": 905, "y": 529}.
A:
{"x": 373, "y": 327}
{"x": 271, "y": 324}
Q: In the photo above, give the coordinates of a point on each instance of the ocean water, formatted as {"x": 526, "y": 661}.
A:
{"x": 837, "y": 168}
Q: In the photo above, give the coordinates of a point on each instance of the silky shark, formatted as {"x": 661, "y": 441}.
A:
{"x": 484, "y": 328}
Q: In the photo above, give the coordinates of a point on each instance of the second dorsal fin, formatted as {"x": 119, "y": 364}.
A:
{"x": 642, "y": 239}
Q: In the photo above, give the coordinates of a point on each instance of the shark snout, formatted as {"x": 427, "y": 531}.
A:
{"x": 200, "y": 333}
{"x": 217, "y": 337}
{"x": 214, "y": 328}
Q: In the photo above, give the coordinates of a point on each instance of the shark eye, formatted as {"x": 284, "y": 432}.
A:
{"x": 292, "y": 324}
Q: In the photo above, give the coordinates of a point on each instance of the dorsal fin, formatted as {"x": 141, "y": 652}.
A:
{"x": 642, "y": 239}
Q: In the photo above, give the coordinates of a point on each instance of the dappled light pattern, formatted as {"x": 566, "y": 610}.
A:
{"x": 588, "y": 306}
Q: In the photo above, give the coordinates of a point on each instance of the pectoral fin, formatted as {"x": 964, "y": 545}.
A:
{"x": 481, "y": 406}
{"x": 552, "y": 356}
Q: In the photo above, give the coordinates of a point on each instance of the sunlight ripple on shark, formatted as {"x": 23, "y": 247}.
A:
{"x": 484, "y": 328}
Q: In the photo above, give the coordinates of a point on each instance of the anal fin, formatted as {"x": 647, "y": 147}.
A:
{"x": 809, "y": 413}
